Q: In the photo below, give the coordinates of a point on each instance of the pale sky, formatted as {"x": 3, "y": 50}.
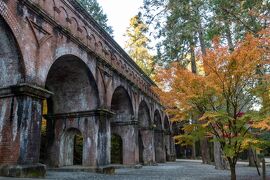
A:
{"x": 119, "y": 13}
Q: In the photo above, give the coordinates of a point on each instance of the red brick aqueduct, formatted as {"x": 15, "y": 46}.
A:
{"x": 53, "y": 50}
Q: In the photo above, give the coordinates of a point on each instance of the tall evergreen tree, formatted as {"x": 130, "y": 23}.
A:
{"x": 96, "y": 11}
{"x": 181, "y": 31}
{"x": 137, "y": 44}
{"x": 233, "y": 19}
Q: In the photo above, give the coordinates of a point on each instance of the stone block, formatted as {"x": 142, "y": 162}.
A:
{"x": 23, "y": 171}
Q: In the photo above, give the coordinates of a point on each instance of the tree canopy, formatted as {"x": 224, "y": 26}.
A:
{"x": 231, "y": 97}
{"x": 96, "y": 11}
{"x": 186, "y": 27}
{"x": 137, "y": 44}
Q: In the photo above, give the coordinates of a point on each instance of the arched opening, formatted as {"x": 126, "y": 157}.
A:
{"x": 11, "y": 67}
{"x": 78, "y": 149}
{"x": 74, "y": 91}
{"x": 144, "y": 115}
{"x": 166, "y": 124}
{"x": 71, "y": 147}
{"x": 116, "y": 149}
{"x": 122, "y": 107}
{"x": 141, "y": 148}
{"x": 11, "y": 73}
{"x": 158, "y": 138}
{"x": 44, "y": 138}
{"x": 144, "y": 135}
{"x": 73, "y": 86}
{"x": 157, "y": 120}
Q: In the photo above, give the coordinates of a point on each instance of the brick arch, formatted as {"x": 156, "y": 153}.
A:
{"x": 158, "y": 120}
{"x": 61, "y": 15}
{"x": 15, "y": 29}
{"x": 84, "y": 34}
{"x": 74, "y": 51}
{"x": 11, "y": 63}
{"x": 59, "y": 50}
{"x": 61, "y": 79}
{"x": 99, "y": 47}
{"x": 67, "y": 146}
{"x": 70, "y": 49}
{"x": 116, "y": 85}
{"x": 121, "y": 97}
{"x": 144, "y": 111}
{"x": 49, "y": 5}
{"x": 74, "y": 26}
{"x": 92, "y": 40}
{"x": 166, "y": 123}
{"x": 10, "y": 20}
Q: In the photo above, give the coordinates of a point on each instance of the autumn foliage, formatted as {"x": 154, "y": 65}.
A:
{"x": 230, "y": 97}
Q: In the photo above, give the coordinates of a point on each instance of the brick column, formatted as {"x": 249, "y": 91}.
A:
{"x": 173, "y": 152}
{"x": 169, "y": 144}
{"x": 147, "y": 135}
{"x": 104, "y": 137}
{"x": 20, "y": 123}
{"x": 159, "y": 141}
{"x": 128, "y": 130}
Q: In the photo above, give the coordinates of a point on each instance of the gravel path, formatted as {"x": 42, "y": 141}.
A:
{"x": 180, "y": 170}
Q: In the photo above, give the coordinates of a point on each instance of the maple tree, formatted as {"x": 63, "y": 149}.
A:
{"x": 185, "y": 28}
{"x": 231, "y": 96}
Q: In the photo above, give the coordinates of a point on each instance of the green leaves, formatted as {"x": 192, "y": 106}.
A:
{"x": 137, "y": 44}
{"x": 95, "y": 10}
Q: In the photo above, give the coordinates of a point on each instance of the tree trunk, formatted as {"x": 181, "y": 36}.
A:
{"x": 250, "y": 158}
{"x": 205, "y": 151}
{"x": 201, "y": 39}
{"x": 228, "y": 35}
{"x": 193, "y": 57}
{"x": 233, "y": 173}
{"x": 193, "y": 155}
{"x": 220, "y": 162}
{"x": 253, "y": 158}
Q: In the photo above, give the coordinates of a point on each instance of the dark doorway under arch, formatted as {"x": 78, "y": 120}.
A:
{"x": 116, "y": 149}
{"x": 141, "y": 148}
{"x": 78, "y": 149}
{"x": 71, "y": 147}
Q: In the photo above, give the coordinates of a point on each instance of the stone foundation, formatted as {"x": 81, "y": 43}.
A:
{"x": 23, "y": 171}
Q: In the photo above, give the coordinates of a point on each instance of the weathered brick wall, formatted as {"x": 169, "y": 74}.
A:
{"x": 20, "y": 119}
{"x": 9, "y": 138}
{"x": 93, "y": 125}
{"x": 73, "y": 86}
{"x": 10, "y": 66}
{"x": 55, "y": 45}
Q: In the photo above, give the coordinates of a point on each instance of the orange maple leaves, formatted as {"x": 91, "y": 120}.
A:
{"x": 230, "y": 79}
